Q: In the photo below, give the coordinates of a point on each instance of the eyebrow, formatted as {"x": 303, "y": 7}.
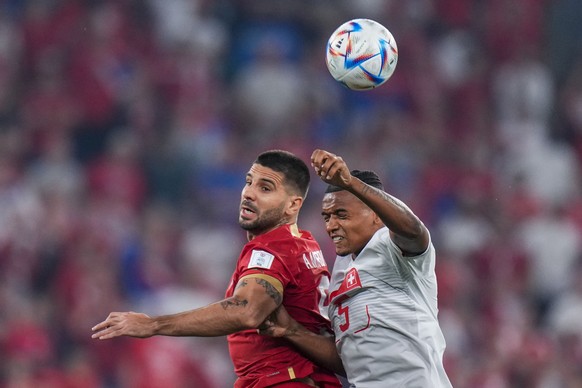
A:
{"x": 266, "y": 180}
{"x": 338, "y": 210}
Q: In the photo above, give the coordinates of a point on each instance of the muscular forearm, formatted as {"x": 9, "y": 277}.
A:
{"x": 407, "y": 231}
{"x": 393, "y": 212}
{"x": 318, "y": 348}
{"x": 225, "y": 317}
{"x": 222, "y": 318}
{"x": 247, "y": 309}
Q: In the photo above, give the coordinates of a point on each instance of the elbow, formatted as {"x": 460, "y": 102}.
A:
{"x": 252, "y": 319}
{"x": 415, "y": 229}
{"x": 418, "y": 228}
{"x": 251, "y": 323}
{"x": 413, "y": 240}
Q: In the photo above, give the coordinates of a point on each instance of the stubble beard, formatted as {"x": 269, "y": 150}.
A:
{"x": 266, "y": 221}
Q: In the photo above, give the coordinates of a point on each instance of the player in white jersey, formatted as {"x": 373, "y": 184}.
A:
{"x": 383, "y": 292}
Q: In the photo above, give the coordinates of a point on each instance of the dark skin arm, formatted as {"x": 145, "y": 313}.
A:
{"x": 319, "y": 348}
{"x": 406, "y": 230}
{"x": 253, "y": 300}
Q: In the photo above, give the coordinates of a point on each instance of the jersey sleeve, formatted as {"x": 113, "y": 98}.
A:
{"x": 422, "y": 263}
{"x": 266, "y": 264}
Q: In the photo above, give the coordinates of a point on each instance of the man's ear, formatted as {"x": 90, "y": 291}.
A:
{"x": 295, "y": 203}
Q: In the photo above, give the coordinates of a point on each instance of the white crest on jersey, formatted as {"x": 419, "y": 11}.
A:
{"x": 261, "y": 259}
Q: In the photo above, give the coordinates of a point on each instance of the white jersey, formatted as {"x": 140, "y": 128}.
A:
{"x": 383, "y": 308}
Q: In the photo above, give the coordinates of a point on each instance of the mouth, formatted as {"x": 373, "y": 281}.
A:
{"x": 337, "y": 239}
{"x": 341, "y": 244}
{"x": 247, "y": 211}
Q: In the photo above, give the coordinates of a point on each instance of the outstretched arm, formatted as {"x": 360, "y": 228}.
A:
{"x": 406, "y": 229}
{"x": 318, "y": 348}
{"x": 253, "y": 300}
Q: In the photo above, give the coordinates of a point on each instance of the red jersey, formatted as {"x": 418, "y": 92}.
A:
{"x": 294, "y": 258}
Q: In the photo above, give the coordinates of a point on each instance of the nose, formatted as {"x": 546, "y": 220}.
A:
{"x": 331, "y": 225}
{"x": 247, "y": 192}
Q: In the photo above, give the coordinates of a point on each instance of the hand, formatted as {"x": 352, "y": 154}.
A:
{"x": 278, "y": 324}
{"x": 129, "y": 324}
{"x": 331, "y": 168}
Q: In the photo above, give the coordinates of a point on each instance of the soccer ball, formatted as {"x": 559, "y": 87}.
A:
{"x": 361, "y": 54}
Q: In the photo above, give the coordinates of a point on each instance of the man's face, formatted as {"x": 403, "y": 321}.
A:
{"x": 264, "y": 200}
{"x": 348, "y": 222}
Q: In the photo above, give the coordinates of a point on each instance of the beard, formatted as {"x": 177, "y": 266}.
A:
{"x": 265, "y": 221}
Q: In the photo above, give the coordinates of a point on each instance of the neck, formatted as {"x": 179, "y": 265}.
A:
{"x": 356, "y": 253}
{"x": 251, "y": 234}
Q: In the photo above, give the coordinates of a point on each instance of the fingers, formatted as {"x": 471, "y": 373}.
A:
{"x": 318, "y": 159}
{"x": 128, "y": 324}
{"x": 332, "y": 168}
{"x": 100, "y": 326}
{"x": 105, "y": 324}
{"x": 109, "y": 328}
{"x": 266, "y": 328}
{"x": 322, "y": 161}
{"x": 104, "y": 330}
{"x": 329, "y": 166}
{"x": 272, "y": 330}
{"x": 110, "y": 332}
{"x": 266, "y": 331}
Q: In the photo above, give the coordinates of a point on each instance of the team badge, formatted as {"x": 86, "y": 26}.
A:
{"x": 352, "y": 279}
{"x": 261, "y": 259}
{"x": 351, "y": 282}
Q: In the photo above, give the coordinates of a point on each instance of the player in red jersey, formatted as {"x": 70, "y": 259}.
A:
{"x": 280, "y": 265}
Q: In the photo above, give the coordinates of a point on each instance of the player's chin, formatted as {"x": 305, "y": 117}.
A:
{"x": 342, "y": 250}
{"x": 247, "y": 224}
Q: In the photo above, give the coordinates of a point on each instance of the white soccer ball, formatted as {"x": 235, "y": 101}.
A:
{"x": 361, "y": 54}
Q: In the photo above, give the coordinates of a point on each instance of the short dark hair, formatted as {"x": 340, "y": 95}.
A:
{"x": 366, "y": 176}
{"x": 294, "y": 169}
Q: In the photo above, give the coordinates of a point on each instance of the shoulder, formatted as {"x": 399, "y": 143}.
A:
{"x": 288, "y": 240}
{"x": 382, "y": 242}
{"x": 272, "y": 242}
{"x": 381, "y": 239}
{"x": 423, "y": 263}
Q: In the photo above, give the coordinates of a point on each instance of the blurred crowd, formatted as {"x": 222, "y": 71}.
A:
{"x": 126, "y": 128}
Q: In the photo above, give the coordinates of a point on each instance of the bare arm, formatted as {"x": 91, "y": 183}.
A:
{"x": 253, "y": 300}
{"x": 318, "y": 348}
{"x": 406, "y": 230}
